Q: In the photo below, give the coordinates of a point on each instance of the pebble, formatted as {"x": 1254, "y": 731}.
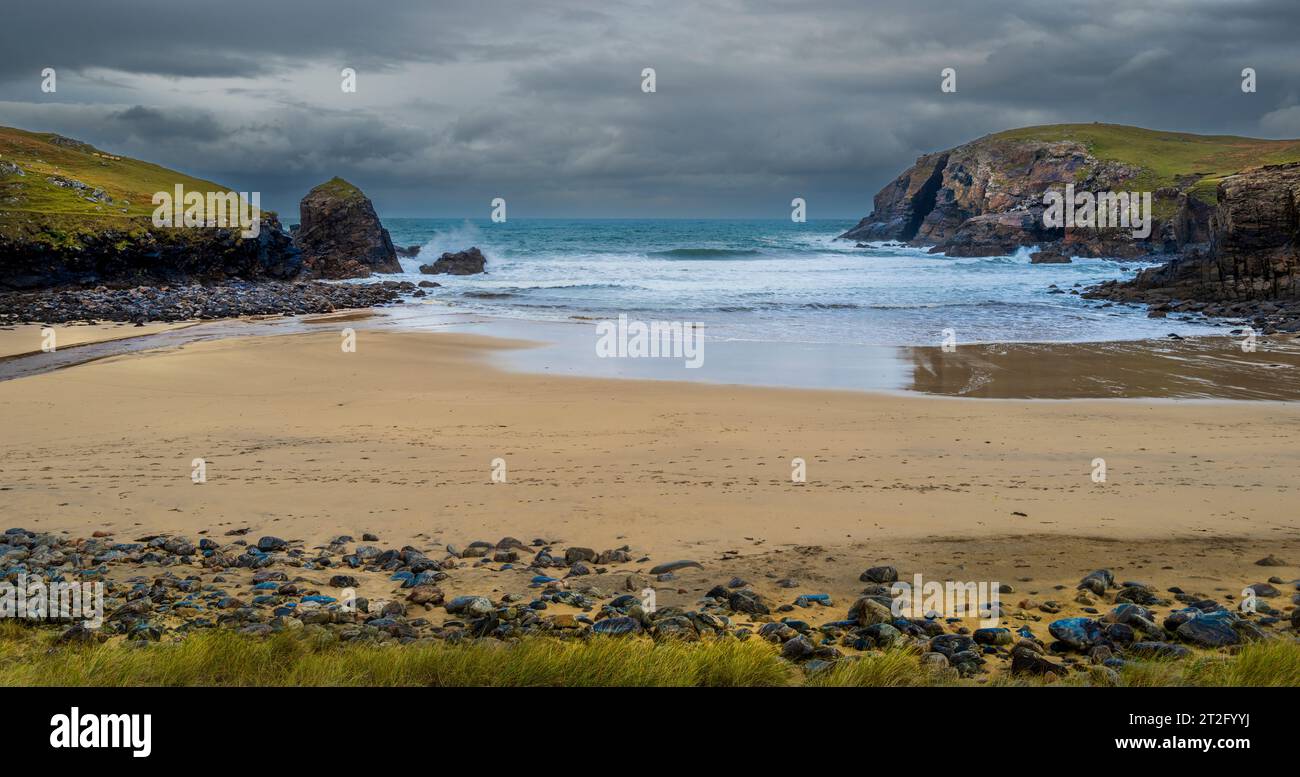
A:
{"x": 673, "y": 566}
{"x": 168, "y": 596}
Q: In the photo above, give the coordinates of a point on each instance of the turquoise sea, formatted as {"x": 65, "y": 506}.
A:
{"x": 773, "y": 281}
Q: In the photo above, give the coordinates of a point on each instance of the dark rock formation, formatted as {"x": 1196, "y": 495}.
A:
{"x": 1253, "y": 251}
{"x": 469, "y": 262}
{"x": 1048, "y": 257}
{"x": 132, "y": 251}
{"x": 1251, "y": 265}
{"x": 901, "y": 206}
{"x": 408, "y": 251}
{"x": 340, "y": 235}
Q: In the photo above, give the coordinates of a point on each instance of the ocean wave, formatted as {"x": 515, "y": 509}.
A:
{"x": 1019, "y": 306}
{"x": 570, "y": 286}
{"x": 705, "y": 253}
{"x": 515, "y": 291}
{"x": 778, "y": 306}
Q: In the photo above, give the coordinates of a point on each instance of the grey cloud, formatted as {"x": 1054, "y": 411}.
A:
{"x": 757, "y": 101}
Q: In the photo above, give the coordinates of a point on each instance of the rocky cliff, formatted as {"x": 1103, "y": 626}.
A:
{"x": 1253, "y": 251}
{"x": 72, "y": 214}
{"x": 985, "y": 198}
{"x": 38, "y": 252}
{"x": 340, "y": 235}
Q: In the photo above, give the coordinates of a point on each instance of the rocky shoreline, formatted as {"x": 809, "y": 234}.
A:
{"x": 163, "y": 587}
{"x": 1267, "y": 317}
{"x": 143, "y": 304}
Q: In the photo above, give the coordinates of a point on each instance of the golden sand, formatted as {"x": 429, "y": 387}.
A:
{"x": 304, "y": 441}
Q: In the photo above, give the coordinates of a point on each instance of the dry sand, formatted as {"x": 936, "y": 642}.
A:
{"x": 306, "y": 442}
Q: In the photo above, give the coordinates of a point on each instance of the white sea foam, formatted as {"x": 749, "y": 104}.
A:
{"x": 773, "y": 281}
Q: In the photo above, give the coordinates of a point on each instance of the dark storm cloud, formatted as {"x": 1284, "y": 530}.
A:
{"x": 152, "y": 125}
{"x": 540, "y": 103}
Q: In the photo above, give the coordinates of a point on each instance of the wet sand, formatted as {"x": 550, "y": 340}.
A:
{"x": 27, "y": 339}
{"x": 1195, "y": 368}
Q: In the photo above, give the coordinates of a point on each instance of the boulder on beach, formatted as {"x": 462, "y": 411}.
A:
{"x": 340, "y": 235}
{"x": 468, "y": 262}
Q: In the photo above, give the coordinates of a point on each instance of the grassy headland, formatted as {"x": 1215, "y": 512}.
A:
{"x": 1181, "y": 160}
{"x": 49, "y": 161}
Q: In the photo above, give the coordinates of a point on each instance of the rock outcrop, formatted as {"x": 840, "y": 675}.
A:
{"x": 904, "y": 203}
{"x": 1253, "y": 251}
{"x": 1228, "y": 229}
{"x": 985, "y": 198}
{"x": 469, "y": 262}
{"x": 43, "y": 251}
{"x": 340, "y": 235}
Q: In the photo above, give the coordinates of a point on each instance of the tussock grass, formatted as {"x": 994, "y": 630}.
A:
{"x": 891, "y": 669}
{"x": 29, "y": 657}
{"x": 1272, "y": 664}
{"x": 228, "y": 659}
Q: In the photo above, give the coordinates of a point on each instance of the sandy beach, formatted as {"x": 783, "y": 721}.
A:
{"x": 306, "y": 442}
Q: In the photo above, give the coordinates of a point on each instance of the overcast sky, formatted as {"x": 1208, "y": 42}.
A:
{"x": 540, "y": 101}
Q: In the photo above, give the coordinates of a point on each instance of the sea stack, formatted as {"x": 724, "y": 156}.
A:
{"x": 340, "y": 235}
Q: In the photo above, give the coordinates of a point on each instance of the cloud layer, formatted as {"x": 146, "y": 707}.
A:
{"x": 541, "y": 103}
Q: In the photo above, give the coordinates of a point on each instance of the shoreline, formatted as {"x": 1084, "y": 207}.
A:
{"x": 1190, "y": 369}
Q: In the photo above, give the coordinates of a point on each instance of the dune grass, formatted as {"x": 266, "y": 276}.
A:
{"x": 28, "y": 657}
{"x": 227, "y": 659}
{"x": 890, "y": 669}
{"x": 1270, "y": 664}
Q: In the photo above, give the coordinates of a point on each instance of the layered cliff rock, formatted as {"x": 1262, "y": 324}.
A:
{"x": 1253, "y": 251}
{"x": 985, "y": 198}
{"x": 340, "y": 235}
{"x": 43, "y": 251}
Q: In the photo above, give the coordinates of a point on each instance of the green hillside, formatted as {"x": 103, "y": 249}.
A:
{"x": 1189, "y": 162}
{"x": 58, "y": 175}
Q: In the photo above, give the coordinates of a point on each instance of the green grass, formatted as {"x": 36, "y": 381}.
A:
{"x": 891, "y": 669}
{"x": 43, "y": 154}
{"x": 340, "y": 189}
{"x": 1271, "y": 664}
{"x": 222, "y": 658}
{"x": 35, "y": 211}
{"x": 1168, "y": 159}
{"x": 28, "y": 657}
